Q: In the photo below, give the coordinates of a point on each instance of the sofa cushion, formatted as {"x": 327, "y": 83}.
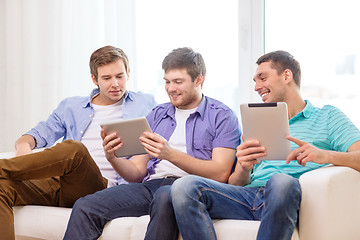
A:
{"x": 43, "y": 222}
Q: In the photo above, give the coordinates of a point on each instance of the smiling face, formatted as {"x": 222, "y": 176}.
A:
{"x": 182, "y": 91}
{"x": 112, "y": 79}
{"x": 269, "y": 84}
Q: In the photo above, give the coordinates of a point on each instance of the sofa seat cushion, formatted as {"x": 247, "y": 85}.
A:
{"x": 42, "y": 222}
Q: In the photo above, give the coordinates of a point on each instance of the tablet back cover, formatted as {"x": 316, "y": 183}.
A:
{"x": 267, "y": 122}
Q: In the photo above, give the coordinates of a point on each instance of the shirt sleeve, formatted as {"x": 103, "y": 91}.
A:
{"x": 342, "y": 132}
{"x": 46, "y": 133}
{"x": 228, "y": 131}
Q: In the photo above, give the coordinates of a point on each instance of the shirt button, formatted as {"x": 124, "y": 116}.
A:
{"x": 172, "y": 124}
{"x": 204, "y": 146}
{"x": 90, "y": 115}
{"x": 81, "y": 131}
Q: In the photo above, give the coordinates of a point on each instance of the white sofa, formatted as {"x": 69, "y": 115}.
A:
{"x": 329, "y": 210}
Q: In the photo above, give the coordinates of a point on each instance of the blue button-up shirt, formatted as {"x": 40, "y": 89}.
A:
{"x": 74, "y": 114}
{"x": 212, "y": 125}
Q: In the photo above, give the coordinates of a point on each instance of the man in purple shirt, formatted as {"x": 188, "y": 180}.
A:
{"x": 193, "y": 134}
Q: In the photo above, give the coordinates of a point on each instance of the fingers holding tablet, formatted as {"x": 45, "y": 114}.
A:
{"x": 127, "y": 133}
{"x": 249, "y": 152}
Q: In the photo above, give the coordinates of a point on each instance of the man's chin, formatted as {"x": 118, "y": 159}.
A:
{"x": 175, "y": 103}
{"x": 115, "y": 100}
{"x": 266, "y": 100}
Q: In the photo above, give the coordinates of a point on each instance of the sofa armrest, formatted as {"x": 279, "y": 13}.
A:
{"x": 12, "y": 154}
{"x": 330, "y": 204}
{"x": 7, "y": 155}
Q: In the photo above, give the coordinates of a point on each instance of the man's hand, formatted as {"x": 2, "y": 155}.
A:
{"x": 247, "y": 156}
{"x": 306, "y": 153}
{"x": 111, "y": 143}
{"x": 23, "y": 149}
{"x": 24, "y": 145}
{"x": 248, "y": 153}
{"x": 156, "y": 146}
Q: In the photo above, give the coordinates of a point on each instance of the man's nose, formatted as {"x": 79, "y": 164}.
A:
{"x": 115, "y": 82}
{"x": 257, "y": 86}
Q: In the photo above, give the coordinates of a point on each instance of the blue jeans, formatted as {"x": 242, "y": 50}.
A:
{"x": 197, "y": 200}
{"x": 90, "y": 214}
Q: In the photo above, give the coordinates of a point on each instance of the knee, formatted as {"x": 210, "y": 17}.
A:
{"x": 162, "y": 195}
{"x": 286, "y": 189}
{"x": 161, "y": 201}
{"x": 83, "y": 206}
{"x": 183, "y": 184}
{"x": 79, "y": 205}
{"x": 185, "y": 189}
{"x": 75, "y": 146}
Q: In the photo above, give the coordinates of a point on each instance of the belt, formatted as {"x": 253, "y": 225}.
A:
{"x": 171, "y": 177}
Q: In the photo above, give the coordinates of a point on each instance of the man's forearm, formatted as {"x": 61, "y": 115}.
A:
{"x": 240, "y": 177}
{"x": 218, "y": 168}
{"x": 348, "y": 159}
{"x": 131, "y": 170}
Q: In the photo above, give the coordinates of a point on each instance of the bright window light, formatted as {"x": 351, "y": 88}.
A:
{"x": 209, "y": 27}
{"x": 323, "y": 37}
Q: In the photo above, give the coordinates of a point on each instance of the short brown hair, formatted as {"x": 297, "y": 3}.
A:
{"x": 282, "y": 60}
{"x": 186, "y": 58}
{"x": 107, "y": 55}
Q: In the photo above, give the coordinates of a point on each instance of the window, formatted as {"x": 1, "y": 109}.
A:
{"x": 323, "y": 37}
{"x": 209, "y": 27}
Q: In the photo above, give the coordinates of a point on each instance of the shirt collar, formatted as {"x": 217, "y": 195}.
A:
{"x": 96, "y": 91}
{"x": 309, "y": 108}
{"x": 201, "y": 108}
{"x": 306, "y": 112}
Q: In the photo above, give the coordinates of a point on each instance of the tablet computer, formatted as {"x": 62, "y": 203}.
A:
{"x": 267, "y": 122}
{"x": 129, "y": 130}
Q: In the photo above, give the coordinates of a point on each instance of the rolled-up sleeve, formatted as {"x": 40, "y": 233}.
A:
{"x": 46, "y": 133}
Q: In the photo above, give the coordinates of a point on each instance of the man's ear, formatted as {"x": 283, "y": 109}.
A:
{"x": 288, "y": 75}
{"x": 94, "y": 80}
{"x": 199, "y": 80}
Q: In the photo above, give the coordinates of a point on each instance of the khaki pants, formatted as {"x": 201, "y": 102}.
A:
{"x": 57, "y": 176}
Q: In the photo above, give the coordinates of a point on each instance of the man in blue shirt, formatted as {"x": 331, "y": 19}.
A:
{"x": 267, "y": 190}
{"x": 60, "y": 175}
{"x": 193, "y": 134}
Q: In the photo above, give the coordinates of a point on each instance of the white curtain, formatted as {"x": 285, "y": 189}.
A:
{"x": 45, "y": 46}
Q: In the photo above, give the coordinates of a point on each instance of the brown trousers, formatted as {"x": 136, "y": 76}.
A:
{"x": 57, "y": 176}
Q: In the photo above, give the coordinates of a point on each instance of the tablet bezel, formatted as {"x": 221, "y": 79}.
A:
{"x": 129, "y": 130}
{"x": 269, "y": 123}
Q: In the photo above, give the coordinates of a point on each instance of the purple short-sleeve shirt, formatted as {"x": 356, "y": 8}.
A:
{"x": 212, "y": 125}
